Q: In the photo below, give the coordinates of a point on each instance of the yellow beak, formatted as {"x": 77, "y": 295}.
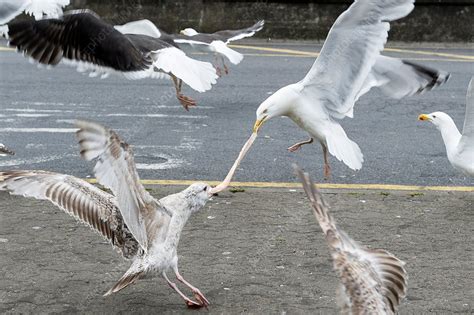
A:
{"x": 424, "y": 117}
{"x": 258, "y": 124}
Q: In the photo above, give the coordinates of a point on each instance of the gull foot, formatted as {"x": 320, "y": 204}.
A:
{"x": 186, "y": 101}
{"x": 201, "y": 298}
{"x": 294, "y": 147}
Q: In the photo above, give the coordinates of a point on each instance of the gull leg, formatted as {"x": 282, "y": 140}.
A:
{"x": 295, "y": 147}
{"x": 217, "y": 66}
{"x": 184, "y": 100}
{"x": 197, "y": 293}
{"x": 327, "y": 168}
{"x": 188, "y": 301}
{"x": 226, "y": 70}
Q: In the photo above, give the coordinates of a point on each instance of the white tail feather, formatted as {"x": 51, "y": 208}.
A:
{"x": 231, "y": 54}
{"x": 343, "y": 148}
{"x": 198, "y": 75}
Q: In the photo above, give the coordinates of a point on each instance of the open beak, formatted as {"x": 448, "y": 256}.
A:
{"x": 258, "y": 124}
{"x": 424, "y": 117}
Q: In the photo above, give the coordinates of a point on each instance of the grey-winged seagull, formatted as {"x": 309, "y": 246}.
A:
{"x": 9, "y": 9}
{"x": 215, "y": 43}
{"x": 459, "y": 147}
{"x": 373, "y": 281}
{"x": 145, "y": 230}
{"x": 83, "y": 40}
{"x": 348, "y": 66}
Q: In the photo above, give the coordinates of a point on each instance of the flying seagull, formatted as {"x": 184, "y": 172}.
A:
{"x": 143, "y": 229}
{"x": 9, "y": 9}
{"x": 83, "y": 40}
{"x": 5, "y": 151}
{"x": 373, "y": 281}
{"x": 459, "y": 147}
{"x": 215, "y": 43}
{"x": 348, "y": 66}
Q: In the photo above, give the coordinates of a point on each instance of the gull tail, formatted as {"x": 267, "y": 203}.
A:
{"x": 198, "y": 75}
{"x": 127, "y": 279}
{"x": 232, "y": 55}
{"x": 343, "y": 148}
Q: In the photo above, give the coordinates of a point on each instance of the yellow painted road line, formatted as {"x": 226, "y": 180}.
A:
{"x": 297, "y": 185}
{"x": 430, "y": 53}
{"x": 313, "y": 54}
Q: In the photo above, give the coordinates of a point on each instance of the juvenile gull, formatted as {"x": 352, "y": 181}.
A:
{"x": 459, "y": 147}
{"x": 9, "y": 9}
{"x": 145, "y": 230}
{"x": 83, "y": 40}
{"x": 215, "y": 43}
{"x": 348, "y": 66}
{"x": 373, "y": 281}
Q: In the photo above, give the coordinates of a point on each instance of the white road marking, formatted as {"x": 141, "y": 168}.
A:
{"x": 49, "y": 130}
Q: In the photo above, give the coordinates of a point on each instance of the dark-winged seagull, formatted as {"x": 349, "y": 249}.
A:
{"x": 373, "y": 281}
{"x": 348, "y": 66}
{"x": 9, "y": 9}
{"x": 83, "y": 40}
{"x": 459, "y": 147}
{"x": 215, "y": 43}
{"x": 145, "y": 230}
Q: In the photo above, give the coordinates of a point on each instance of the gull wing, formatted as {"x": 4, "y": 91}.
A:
{"x": 140, "y": 27}
{"x": 350, "y": 51}
{"x": 9, "y": 9}
{"x": 232, "y": 35}
{"x": 466, "y": 143}
{"x": 115, "y": 169}
{"x": 78, "y": 38}
{"x": 83, "y": 201}
{"x": 377, "y": 274}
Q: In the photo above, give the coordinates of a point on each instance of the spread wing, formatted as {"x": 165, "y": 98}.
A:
{"x": 232, "y": 35}
{"x": 80, "y": 38}
{"x": 9, "y": 9}
{"x": 140, "y": 27}
{"x": 115, "y": 169}
{"x": 467, "y": 139}
{"x": 350, "y": 51}
{"x": 83, "y": 201}
{"x": 379, "y": 275}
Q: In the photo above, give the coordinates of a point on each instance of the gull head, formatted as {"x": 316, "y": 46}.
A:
{"x": 439, "y": 119}
{"x": 189, "y": 32}
{"x": 197, "y": 195}
{"x": 278, "y": 104}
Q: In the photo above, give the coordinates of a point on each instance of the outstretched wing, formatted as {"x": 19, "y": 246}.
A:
{"x": 467, "y": 139}
{"x": 83, "y": 201}
{"x": 350, "y": 51}
{"x": 115, "y": 169}
{"x": 9, "y": 9}
{"x": 379, "y": 275}
{"x": 81, "y": 39}
{"x": 232, "y": 35}
{"x": 140, "y": 27}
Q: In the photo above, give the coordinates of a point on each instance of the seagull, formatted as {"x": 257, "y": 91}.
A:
{"x": 215, "y": 43}
{"x": 143, "y": 229}
{"x": 83, "y": 40}
{"x": 348, "y": 66}
{"x": 373, "y": 281}
{"x": 459, "y": 147}
{"x": 9, "y": 9}
{"x": 5, "y": 150}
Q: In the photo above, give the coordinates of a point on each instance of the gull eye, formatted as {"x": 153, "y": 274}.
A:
{"x": 205, "y": 188}
{"x": 434, "y": 116}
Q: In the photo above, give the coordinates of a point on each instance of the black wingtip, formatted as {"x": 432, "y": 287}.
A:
{"x": 436, "y": 77}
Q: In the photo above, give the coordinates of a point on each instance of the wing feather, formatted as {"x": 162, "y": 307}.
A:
{"x": 116, "y": 170}
{"x": 373, "y": 279}
{"x": 350, "y": 51}
{"x": 81, "y": 200}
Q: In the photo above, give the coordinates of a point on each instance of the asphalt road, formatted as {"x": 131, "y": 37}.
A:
{"x": 202, "y": 144}
{"x": 254, "y": 252}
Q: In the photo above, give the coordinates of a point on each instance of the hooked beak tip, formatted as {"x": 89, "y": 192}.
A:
{"x": 258, "y": 124}
{"x": 423, "y": 117}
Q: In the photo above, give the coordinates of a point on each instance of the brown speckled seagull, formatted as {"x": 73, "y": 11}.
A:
{"x": 373, "y": 280}
{"x": 143, "y": 229}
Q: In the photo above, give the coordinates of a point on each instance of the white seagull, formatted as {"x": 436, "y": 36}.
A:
{"x": 215, "y": 43}
{"x": 5, "y": 150}
{"x": 9, "y": 9}
{"x": 348, "y": 66}
{"x": 459, "y": 147}
{"x": 145, "y": 230}
{"x": 373, "y": 281}
{"x": 83, "y": 40}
